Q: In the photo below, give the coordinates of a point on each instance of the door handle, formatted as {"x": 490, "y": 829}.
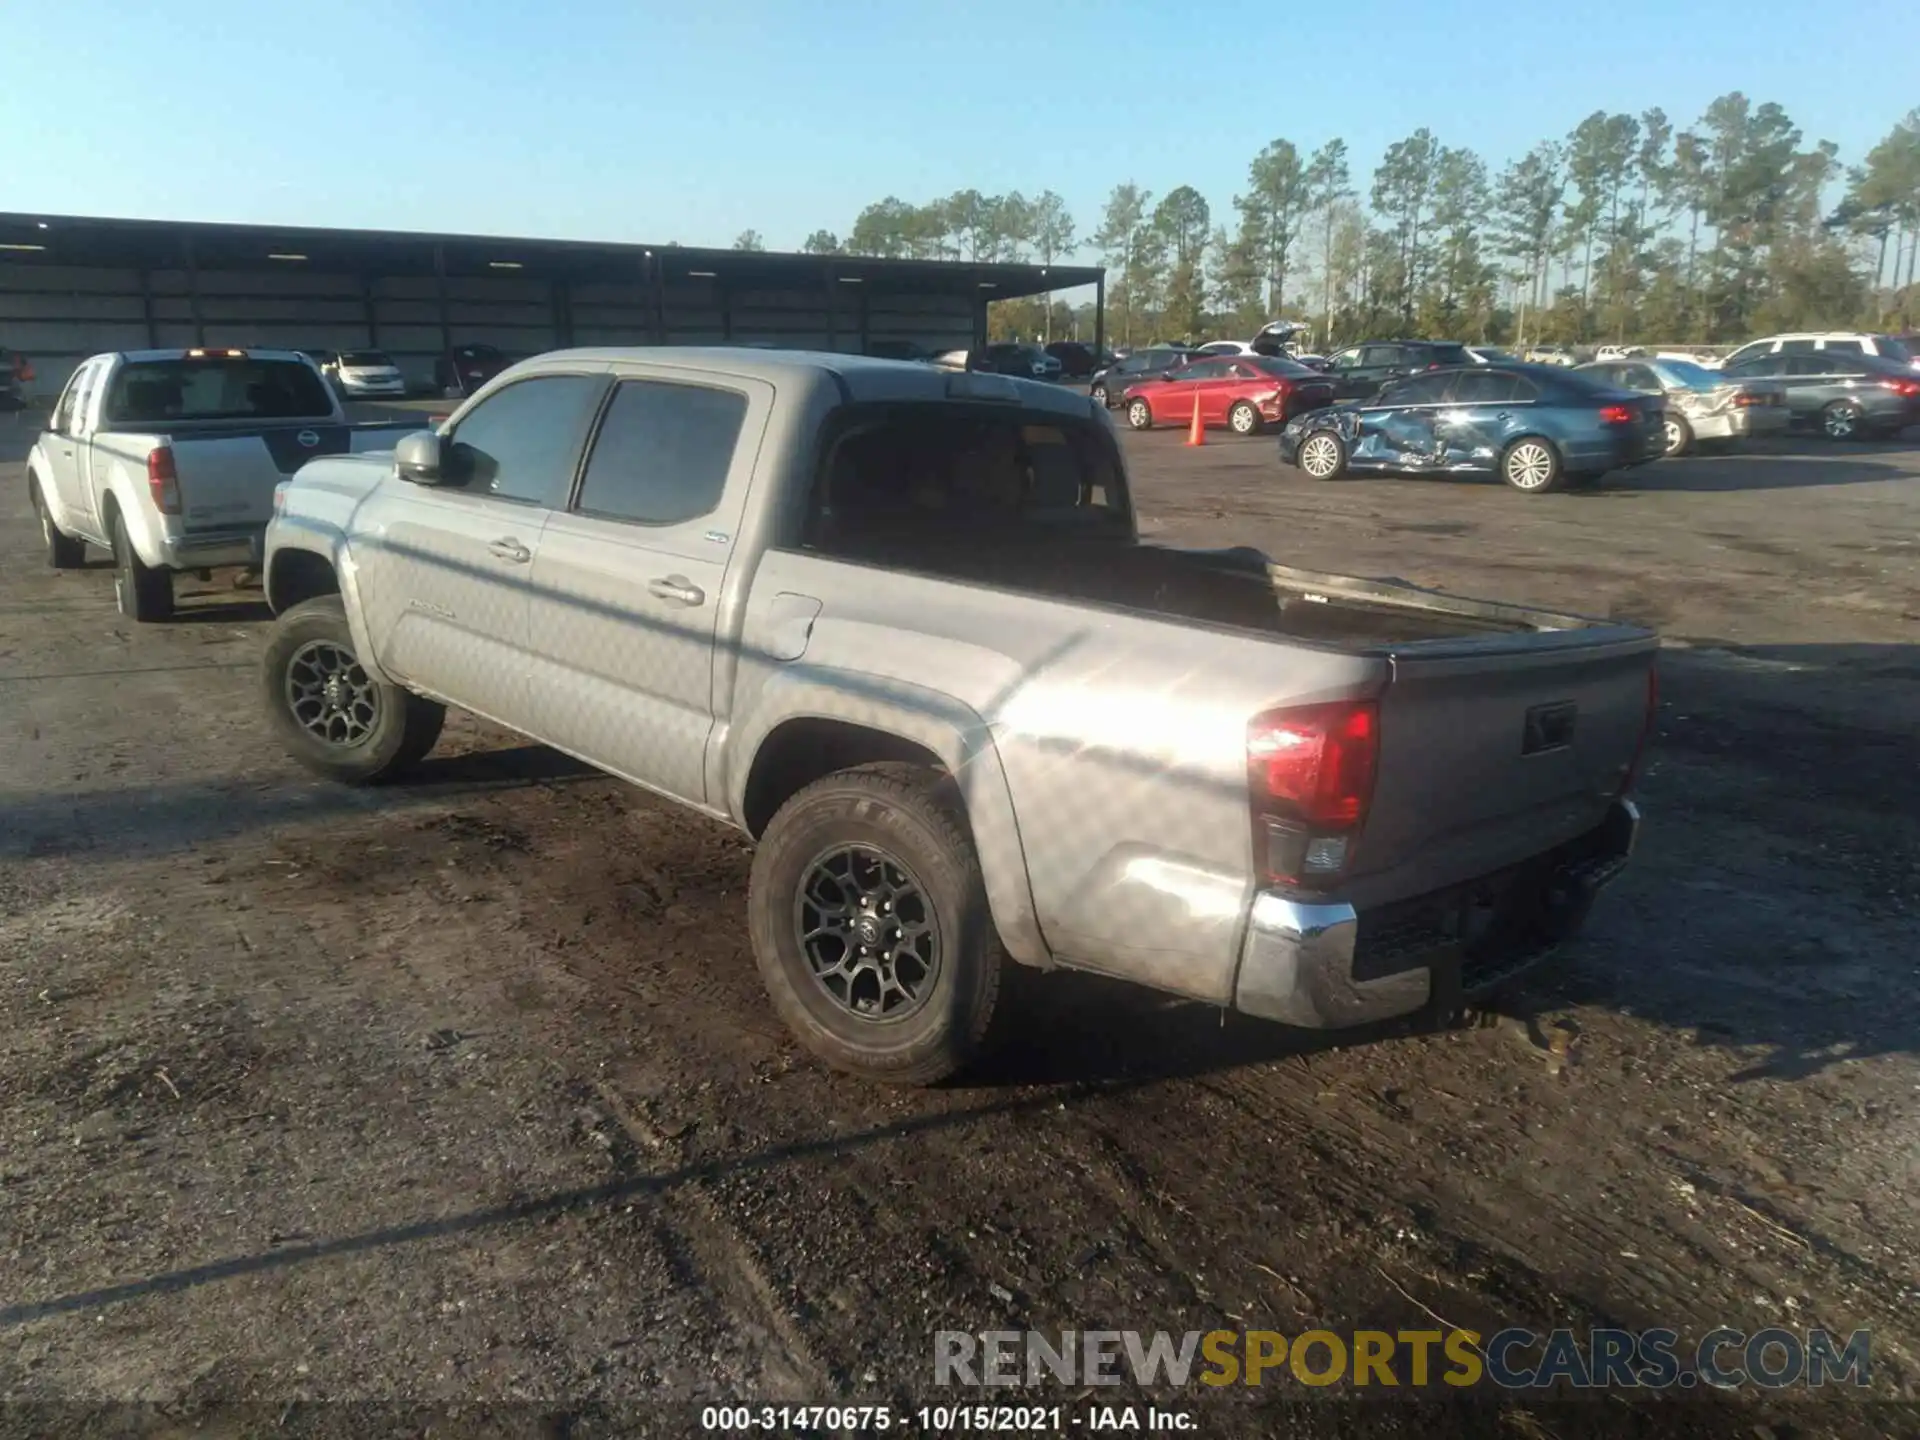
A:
{"x": 511, "y": 550}
{"x": 1503, "y": 415}
{"x": 677, "y": 588}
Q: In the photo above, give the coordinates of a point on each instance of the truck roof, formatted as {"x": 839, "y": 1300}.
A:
{"x": 183, "y": 351}
{"x": 862, "y": 377}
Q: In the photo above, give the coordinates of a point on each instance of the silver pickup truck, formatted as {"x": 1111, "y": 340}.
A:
{"x": 169, "y": 459}
{"x": 898, "y": 626}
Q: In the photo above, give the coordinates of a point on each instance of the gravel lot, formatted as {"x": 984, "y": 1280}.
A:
{"x": 464, "y": 1093}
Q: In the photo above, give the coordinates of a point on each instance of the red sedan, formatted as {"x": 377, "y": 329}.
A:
{"x": 1242, "y": 392}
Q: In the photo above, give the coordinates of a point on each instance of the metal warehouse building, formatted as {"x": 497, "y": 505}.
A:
{"x": 72, "y": 286}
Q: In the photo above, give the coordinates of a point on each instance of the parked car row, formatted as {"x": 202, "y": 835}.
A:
{"x": 374, "y": 375}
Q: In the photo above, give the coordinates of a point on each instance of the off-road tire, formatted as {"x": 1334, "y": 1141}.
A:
{"x": 405, "y": 726}
{"x": 913, "y": 815}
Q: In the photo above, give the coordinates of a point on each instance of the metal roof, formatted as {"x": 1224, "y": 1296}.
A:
{"x": 80, "y": 240}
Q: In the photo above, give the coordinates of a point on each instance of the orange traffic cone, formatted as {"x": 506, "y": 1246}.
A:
{"x": 1197, "y": 433}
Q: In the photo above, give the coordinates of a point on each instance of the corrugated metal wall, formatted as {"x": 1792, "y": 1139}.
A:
{"x": 59, "y": 316}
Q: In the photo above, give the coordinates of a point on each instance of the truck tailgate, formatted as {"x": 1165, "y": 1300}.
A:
{"x": 227, "y": 476}
{"x": 1498, "y": 748}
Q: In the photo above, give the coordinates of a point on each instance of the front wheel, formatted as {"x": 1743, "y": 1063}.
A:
{"x": 1840, "y": 420}
{"x": 1323, "y": 455}
{"x": 333, "y": 716}
{"x": 1532, "y": 466}
{"x": 1243, "y": 419}
{"x": 1139, "y": 415}
{"x": 144, "y": 595}
{"x": 1099, "y": 392}
{"x": 870, "y": 925}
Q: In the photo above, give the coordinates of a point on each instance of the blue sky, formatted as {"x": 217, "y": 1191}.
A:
{"x": 689, "y": 122}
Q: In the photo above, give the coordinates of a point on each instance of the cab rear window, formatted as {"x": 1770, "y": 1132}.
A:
{"x": 216, "y": 388}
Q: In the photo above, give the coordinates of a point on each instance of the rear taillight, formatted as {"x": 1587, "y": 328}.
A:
{"x": 1904, "y": 388}
{"x": 1617, "y": 415}
{"x": 163, "y": 481}
{"x": 1632, "y": 777}
{"x": 1310, "y": 769}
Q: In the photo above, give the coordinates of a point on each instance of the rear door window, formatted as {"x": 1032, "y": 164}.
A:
{"x": 1843, "y": 347}
{"x": 663, "y": 453}
{"x": 1379, "y": 356}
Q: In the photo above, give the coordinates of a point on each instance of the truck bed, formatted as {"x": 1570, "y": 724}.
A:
{"x": 1239, "y": 588}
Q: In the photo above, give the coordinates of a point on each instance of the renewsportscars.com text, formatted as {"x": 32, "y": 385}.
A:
{"x": 1513, "y": 1359}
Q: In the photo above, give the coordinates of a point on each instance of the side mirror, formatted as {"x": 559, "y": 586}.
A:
{"x": 420, "y": 458}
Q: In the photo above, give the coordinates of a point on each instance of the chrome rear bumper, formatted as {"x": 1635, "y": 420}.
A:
{"x": 1328, "y": 966}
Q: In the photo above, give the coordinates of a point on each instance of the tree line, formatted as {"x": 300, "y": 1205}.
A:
{"x": 1626, "y": 229}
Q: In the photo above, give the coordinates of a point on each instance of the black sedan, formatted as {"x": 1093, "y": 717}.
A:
{"x": 1156, "y": 363}
{"x": 1361, "y": 371}
{"x": 1537, "y": 427}
{"x": 1078, "y": 361}
{"x": 1843, "y": 396}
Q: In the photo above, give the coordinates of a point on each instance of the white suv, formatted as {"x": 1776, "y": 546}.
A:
{"x": 1835, "y": 342}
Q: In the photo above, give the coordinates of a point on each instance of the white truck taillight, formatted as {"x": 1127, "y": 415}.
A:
{"x": 1310, "y": 769}
{"x": 163, "y": 481}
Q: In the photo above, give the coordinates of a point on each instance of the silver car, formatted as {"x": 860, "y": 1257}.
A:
{"x": 366, "y": 375}
{"x": 1701, "y": 404}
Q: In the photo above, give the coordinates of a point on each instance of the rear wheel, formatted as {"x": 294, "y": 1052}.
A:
{"x": 1531, "y": 465}
{"x": 1139, "y": 415}
{"x": 1323, "y": 455}
{"x": 1840, "y": 420}
{"x": 1679, "y": 436}
{"x": 333, "y": 716}
{"x": 143, "y": 595}
{"x": 870, "y": 924}
{"x": 1244, "y": 419}
{"x": 1099, "y": 392}
{"x": 63, "y": 551}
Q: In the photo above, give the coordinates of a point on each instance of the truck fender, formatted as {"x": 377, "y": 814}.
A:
{"x": 329, "y": 543}
{"x": 129, "y": 495}
{"x": 38, "y": 484}
{"x": 936, "y": 722}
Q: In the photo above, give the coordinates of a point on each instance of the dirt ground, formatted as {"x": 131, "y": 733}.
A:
{"x": 457, "y": 1107}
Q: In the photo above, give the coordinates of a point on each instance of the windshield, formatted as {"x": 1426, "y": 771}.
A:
{"x": 1694, "y": 377}
{"x": 366, "y": 360}
{"x": 217, "y": 388}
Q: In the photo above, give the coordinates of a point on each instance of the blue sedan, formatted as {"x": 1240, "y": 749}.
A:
{"x": 1538, "y": 427}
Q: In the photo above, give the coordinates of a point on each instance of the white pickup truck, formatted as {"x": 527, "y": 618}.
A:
{"x": 897, "y": 625}
{"x": 170, "y": 458}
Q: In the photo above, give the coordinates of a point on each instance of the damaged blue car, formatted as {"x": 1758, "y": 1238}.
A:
{"x": 1537, "y": 427}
